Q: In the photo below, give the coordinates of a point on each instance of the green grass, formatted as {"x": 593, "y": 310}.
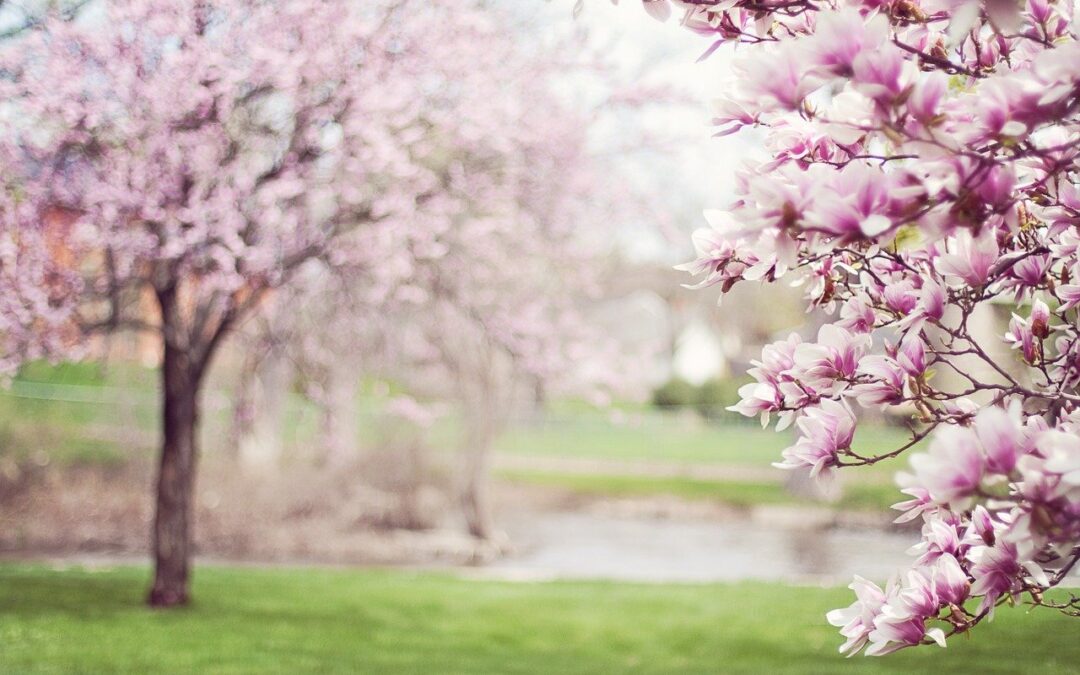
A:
{"x": 335, "y": 621}
{"x": 864, "y": 496}
{"x": 665, "y": 438}
{"x": 84, "y": 400}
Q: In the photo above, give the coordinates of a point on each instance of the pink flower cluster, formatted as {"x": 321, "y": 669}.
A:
{"x": 924, "y": 170}
{"x": 1000, "y": 503}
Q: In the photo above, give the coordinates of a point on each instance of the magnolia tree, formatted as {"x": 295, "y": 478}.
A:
{"x": 199, "y": 154}
{"x": 488, "y": 304}
{"x": 924, "y": 166}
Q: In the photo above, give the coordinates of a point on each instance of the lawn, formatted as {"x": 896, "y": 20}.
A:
{"x": 659, "y": 437}
{"x": 328, "y": 621}
{"x": 89, "y": 414}
{"x": 874, "y": 495}
{"x": 90, "y": 409}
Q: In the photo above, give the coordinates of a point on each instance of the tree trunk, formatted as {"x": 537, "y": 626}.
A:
{"x": 171, "y": 538}
{"x": 339, "y": 424}
{"x": 475, "y": 498}
{"x": 260, "y": 442}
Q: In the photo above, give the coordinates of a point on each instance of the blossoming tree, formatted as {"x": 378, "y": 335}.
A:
{"x": 924, "y": 167}
{"x": 488, "y": 298}
{"x": 199, "y": 154}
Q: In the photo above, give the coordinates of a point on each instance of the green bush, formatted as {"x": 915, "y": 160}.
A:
{"x": 710, "y": 399}
{"x": 675, "y": 393}
{"x": 714, "y": 396}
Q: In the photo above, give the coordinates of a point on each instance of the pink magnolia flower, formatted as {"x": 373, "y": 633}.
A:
{"x": 842, "y": 36}
{"x": 950, "y": 581}
{"x": 824, "y": 432}
{"x": 883, "y": 73}
{"x": 765, "y": 396}
{"x": 857, "y": 315}
{"x": 901, "y": 297}
{"x": 1040, "y": 319}
{"x": 932, "y": 300}
{"x": 970, "y": 259}
{"x": 832, "y": 360}
{"x": 1062, "y": 452}
{"x": 782, "y": 80}
{"x": 1029, "y": 272}
{"x": 1001, "y": 435}
{"x": 856, "y": 622}
{"x": 1021, "y": 336}
{"x": 939, "y": 538}
{"x": 718, "y": 249}
{"x": 982, "y": 525}
{"x": 861, "y": 202}
{"x": 911, "y": 355}
{"x": 886, "y": 384}
{"x": 952, "y": 468}
{"x": 997, "y": 570}
{"x": 924, "y": 102}
{"x": 902, "y": 621}
{"x": 996, "y": 186}
{"x": 1069, "y": 293}
{"x": 760, "y": 398}
{"x": 919, "y": 503}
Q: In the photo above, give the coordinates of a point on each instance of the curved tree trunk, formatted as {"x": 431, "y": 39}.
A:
{"x": 172, "y": 533}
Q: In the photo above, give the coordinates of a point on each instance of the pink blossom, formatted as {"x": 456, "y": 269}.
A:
{"x": 997, "y": 570}
{"x": 777, "y": 359}
{"x": 930, "y": 182}
{"x": 912, "y": 508}
{"x": 824, "y": 432}
{"x": 856, "y": 622}
{"x": 1062, "y": 452}
{"x": 911, "y": 355}
{"x": 970, "y": 258}
{"x": 902, "y": 622}
{"x": 924, "y": 102}
{"x": 718, "y": 248}
{"x": 939, "y": 538}
{"x": 842, "y": 37}
{"x": 1021, "y": 336}
{"x": 834, "y": 357}
{"x": 886, "y": 384}
{"x": 1040, "y": 320}
{"x": 1001, "y": 436}
{"x": 952, "y": 468}
{"x": 857, "y": 315}
{"x": 1069, "y": 293}
{"x": 982, "y": 525}
{"x": 950, "y": 581}
{"x": 901, "y": 297}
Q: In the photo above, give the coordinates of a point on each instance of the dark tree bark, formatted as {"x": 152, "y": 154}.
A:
{"x": 172, "y": 540}
{"x": 187, "y": 351}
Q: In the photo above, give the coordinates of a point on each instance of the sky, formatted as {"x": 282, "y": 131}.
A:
{"x": 697, "y": 171}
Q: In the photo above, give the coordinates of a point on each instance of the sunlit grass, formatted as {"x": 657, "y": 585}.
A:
{"x": 335, "y": 621}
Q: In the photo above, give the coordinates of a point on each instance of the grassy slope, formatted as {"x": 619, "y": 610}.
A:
{"x": 368, "y": 621}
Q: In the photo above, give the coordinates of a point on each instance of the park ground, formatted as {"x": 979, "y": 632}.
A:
{"x": 244, "y": 620}
{"x": 76, "y": 463}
